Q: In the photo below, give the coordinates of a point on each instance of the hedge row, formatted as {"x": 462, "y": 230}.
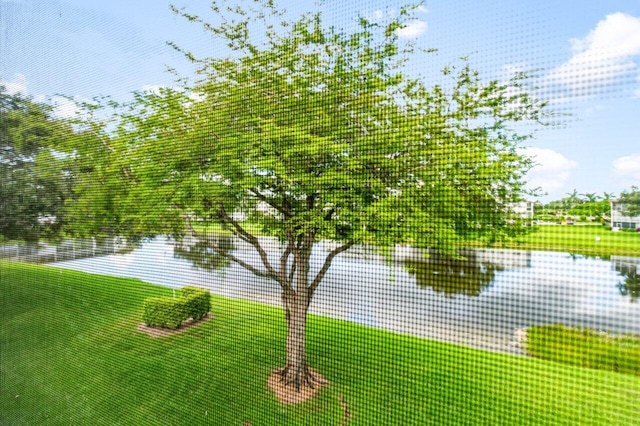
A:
{"x": 169, "y": 312}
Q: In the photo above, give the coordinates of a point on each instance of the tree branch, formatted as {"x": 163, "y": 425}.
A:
{"x": 291, "y": 275}
{"x": 244, "y": 235}
{"x": 311, "y": 200}
{"x": 294, "y": 248}
{"x": 285, "y": 212}
{"x": 284, "y": 259}
{"x": 188, "y": 224}
{"x": 329, "y": 214}
{"x": 267, "y": 274}
{"x": 308, "y": 239}
{"x": 325, "y": 267}
{"x": 253, "y": 269}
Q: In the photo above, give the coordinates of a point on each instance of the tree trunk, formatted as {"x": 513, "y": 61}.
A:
{"x": 296, "y": 372}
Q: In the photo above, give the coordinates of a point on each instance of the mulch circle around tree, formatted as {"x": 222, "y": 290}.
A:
{"x": 162, "y": 332}
{"x": 288, "y": 395}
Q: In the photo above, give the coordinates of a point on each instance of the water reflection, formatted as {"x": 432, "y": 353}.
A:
{"x": 576, "y": 255}
{"x": 477, "y": 302}
{"x": 629, "y": 281}
{"x": 468, "y": 277}
{"x": 204, "y": 253}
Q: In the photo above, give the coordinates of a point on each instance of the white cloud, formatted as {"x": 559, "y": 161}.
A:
{"x": 64, "y": 107}
{"x": 589, "y": 111}
{"x": 412, "y": 29}
{"x": 156, "y": 90}
{"x": 17, "y": 85}
{"x": 551, "y": 171}
{"x": 69, "y": 107}
{"x": 606, "y": 54}
{"x": 509, "y": 70}
{"x": 628, "y": 167}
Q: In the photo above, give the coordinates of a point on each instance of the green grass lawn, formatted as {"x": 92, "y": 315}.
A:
{"x": 70, "y": 354}
{"x": 580, "y": 239}
{"x": 214, "y": 228}
{"x": 585, "y": 348}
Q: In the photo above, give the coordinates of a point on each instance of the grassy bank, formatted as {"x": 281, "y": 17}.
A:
{"x": 585, "y": 348}
{"x": 214, "y": 228}
{"x": 595, "y": 240}
{"x": 70, "y": 354}
{"x": 589, "y": 239}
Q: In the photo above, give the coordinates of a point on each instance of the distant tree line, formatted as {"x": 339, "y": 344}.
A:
{"x": 588, "y": 206}
{"x": 35, "y": 179}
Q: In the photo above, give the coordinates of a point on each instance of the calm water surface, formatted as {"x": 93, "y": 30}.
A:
{"x": 480, "y": 302}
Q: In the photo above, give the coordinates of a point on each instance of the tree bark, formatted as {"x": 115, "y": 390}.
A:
{"x": 295, "y": 298}
{"x": 296, "y": 371}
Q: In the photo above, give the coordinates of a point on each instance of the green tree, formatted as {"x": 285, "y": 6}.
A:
{"x": 629, "y": 281}
{"x": 101, "y": 205}
{"x": 572, "y": 199}
{"x": 556, "y": 207}
{"x": 631, "y": 201}
{"x": 318, "y": 134}
{"x": 591, "y": 208}
{"x": 34, "y": 182}
{"x": 590, "y": 197}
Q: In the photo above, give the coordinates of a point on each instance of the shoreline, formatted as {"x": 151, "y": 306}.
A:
{"x": 370, "y": 293}
{"x": 476, "y": 338}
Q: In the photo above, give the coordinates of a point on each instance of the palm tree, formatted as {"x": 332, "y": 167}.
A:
{"x": 572, "y": 198}
{"x": 591, "y": 197}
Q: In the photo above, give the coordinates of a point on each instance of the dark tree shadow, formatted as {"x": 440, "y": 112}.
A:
{"x": 629, "y": 284}
{"x": 467, "y": 277}
{"x": 205, "y": 253}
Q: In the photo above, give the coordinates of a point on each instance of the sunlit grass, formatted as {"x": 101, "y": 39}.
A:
{"x": 595, "y": 240}
{"x": 215, "y": 228}
{"x": 70, "y": 354}
{"x": 585, "y": 348}
{"x": 584, "y": 239}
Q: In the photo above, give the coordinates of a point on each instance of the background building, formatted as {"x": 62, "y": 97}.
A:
{"x": 618, "y": 218}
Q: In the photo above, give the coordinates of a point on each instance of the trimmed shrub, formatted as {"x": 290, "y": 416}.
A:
{"x": 198, "y": 302}
{"x": 164, "y": 312}
{"x": 169, "y": 312}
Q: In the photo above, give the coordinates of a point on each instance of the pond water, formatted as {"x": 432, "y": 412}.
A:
{"x": 480, "y": 302}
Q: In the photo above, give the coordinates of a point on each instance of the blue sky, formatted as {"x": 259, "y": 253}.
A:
{"x": 585, "y": 53}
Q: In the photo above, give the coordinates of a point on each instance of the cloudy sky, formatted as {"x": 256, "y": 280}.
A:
{"x": 585, "y": 55}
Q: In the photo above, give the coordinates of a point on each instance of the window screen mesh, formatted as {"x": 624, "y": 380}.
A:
{"x": 362, "y": 213}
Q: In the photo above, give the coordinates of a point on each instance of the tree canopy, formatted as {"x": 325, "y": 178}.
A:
{"x": 315, "y": 133}
{"x": 34, "y": 183}
{"x": 631, "y": 200}
{"x": 325, "y": 130}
